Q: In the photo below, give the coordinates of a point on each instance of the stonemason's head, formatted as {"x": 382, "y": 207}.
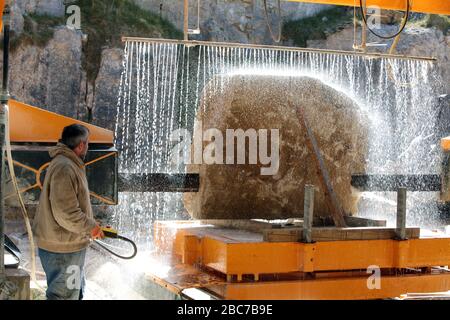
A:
{"x": 76, "y": 137}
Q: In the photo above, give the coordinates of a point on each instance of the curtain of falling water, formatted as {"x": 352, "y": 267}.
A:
{"x": 161, "y": 87}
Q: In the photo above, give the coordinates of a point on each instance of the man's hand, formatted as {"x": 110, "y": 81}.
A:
{"x": 97, "y": 232}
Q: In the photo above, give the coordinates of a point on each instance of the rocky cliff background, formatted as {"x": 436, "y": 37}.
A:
{"x": 77, "y": 72}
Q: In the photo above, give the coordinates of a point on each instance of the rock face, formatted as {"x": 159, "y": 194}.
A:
{"x": 49, "y": 77}
{"x": 17, "y": 20}
{"x": 53, "y": 78}
{"x": 55, "y": 8}
{"x": 27, "y": 6}
{"x": 106, "y": 88}
{"x": 230, "y": 191}
{"x": 240, "y": 21}
{"x": 42, "y": 7}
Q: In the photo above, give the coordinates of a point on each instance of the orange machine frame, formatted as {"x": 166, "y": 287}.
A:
{"x": 240, "y": 265}
{"x": 424, "y": 6}
{"x": 31, "y": 124}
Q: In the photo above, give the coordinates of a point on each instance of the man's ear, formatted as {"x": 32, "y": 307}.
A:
{"x": 79, "y": 146}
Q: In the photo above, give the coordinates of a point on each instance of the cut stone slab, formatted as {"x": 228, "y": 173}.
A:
{"x": 240, "y": 191}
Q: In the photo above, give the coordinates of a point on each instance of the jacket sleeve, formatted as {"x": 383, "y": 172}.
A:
{"x": 64, "y": 202}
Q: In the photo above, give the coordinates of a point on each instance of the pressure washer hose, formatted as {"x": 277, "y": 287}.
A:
{"x": 104, "y": 246}
{"x": 280, "y": 22}
{"x": 21, "y": 202}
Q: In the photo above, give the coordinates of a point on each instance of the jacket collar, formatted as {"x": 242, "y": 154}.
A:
{"x": 61, "y": 148}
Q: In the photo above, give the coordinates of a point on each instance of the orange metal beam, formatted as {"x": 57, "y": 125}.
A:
{"x": 2, "y": 6}
{"x": 445, "y": 144}
{"x": 286, "y": 257}
{"x": 337, "y": 289}
{"x": 31, "y": 124}
{"x": 423, "y": 6}
{"x": 175, "y": 277}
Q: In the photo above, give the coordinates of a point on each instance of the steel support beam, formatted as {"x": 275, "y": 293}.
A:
{"x": 391, "y": 182}
{"x": 159, "y": 182}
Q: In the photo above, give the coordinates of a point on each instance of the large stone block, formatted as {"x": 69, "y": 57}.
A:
{"x": 240, "y": 191}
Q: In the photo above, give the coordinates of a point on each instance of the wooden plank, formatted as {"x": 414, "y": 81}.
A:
{"x": 240, "y": 224}
{"x": 363, "y": 222}
{"x": 363, "y": 233}
{"x": 336, "y": 234}
{"x": 351, "y": 221}
{"x": 260, "y": 226}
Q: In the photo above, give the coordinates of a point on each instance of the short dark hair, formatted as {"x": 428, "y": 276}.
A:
{"x": 72, "y": 135}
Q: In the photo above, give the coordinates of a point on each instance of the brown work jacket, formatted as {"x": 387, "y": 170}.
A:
{"x": 64, "y": 216}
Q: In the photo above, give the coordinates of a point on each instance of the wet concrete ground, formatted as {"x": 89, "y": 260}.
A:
{"x": 107, "y": 277}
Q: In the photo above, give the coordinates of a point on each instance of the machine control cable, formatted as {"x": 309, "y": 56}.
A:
{"x": 266, "y": 14}
{"x": 402, "y": 27}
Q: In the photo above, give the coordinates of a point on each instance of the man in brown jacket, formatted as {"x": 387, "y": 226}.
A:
{"x": 64, "y": 223}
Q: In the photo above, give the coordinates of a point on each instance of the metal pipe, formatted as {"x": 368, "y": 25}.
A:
{"x": 2, "y": 188}
{"x": 194, "y": 43}
{"x": 397, "y": 38}
{"x": 6, "y": 28}
{"x": 363, "y": 46}
{"x": 186, "y": 20}
{"x": 324, "y": 176}
{"x": 308, "y": 212}
{"x": 4, "y": 96}
{"x": 401, "y": 214}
